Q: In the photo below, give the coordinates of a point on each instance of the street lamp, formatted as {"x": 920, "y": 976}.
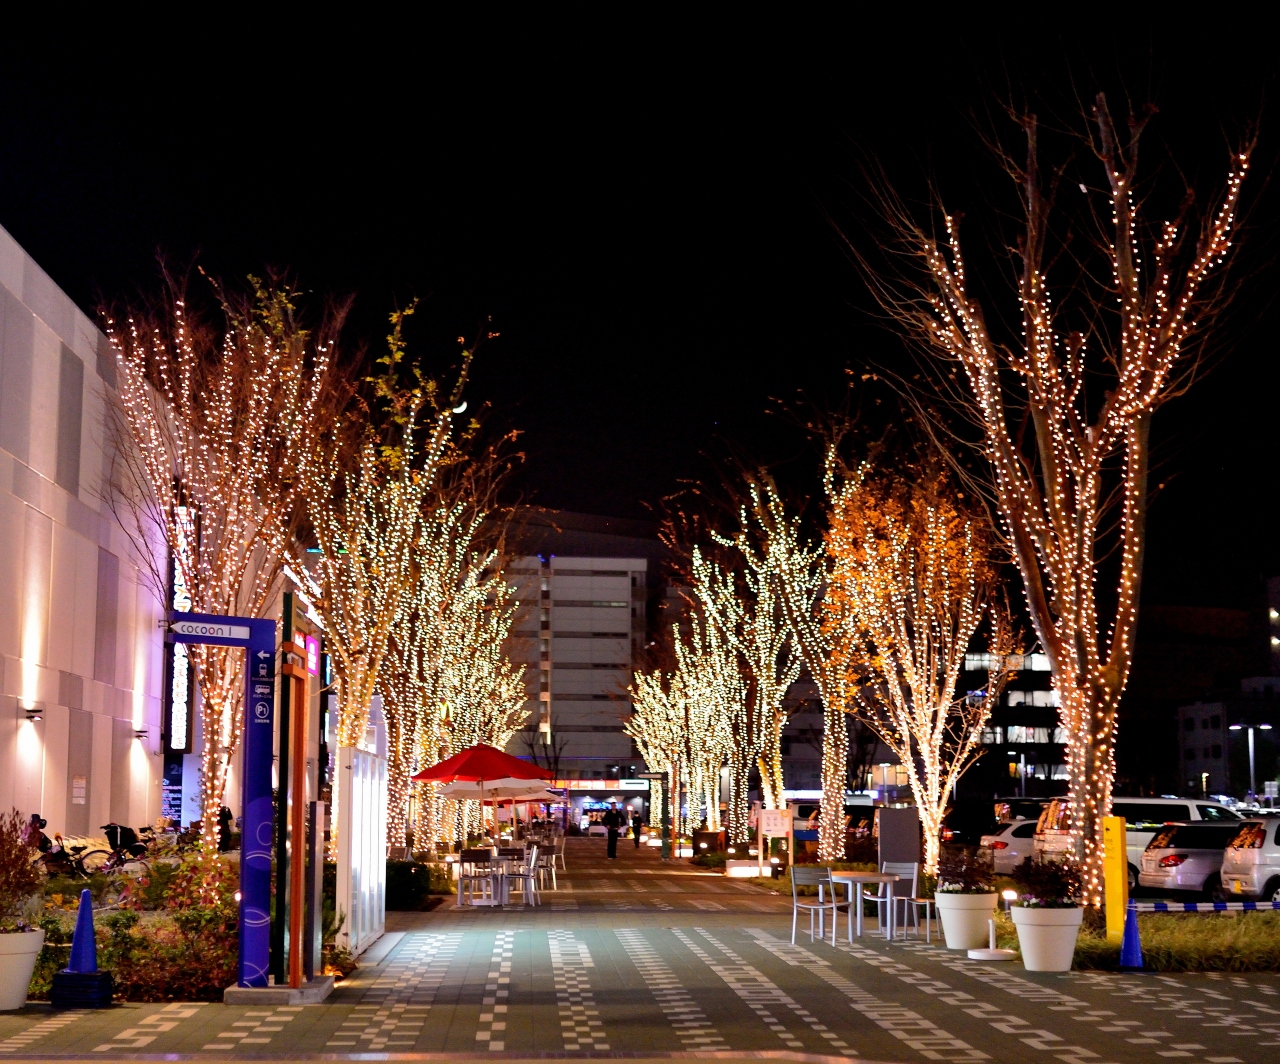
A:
{"x": 1261, "y": 727}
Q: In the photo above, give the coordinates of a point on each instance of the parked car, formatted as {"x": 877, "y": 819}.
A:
{"x": 970, "y": 819}
{"x": 1187, "y": 856}
{"x": 1143, "y": 818}
{"x": 1011, "y": 844}
{"x": 858, "y": 810}
{"x": 1251, "y": 864}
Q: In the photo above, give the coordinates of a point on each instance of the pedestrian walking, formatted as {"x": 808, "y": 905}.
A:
{"x": 614, "y": 822}
{"x": 636, "y": 821}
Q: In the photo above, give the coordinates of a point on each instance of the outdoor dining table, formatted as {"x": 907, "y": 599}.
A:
{"x": 855, "y": 881}
{"x": 499, "y": 868}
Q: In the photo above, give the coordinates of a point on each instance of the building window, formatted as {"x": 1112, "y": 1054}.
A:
{"x": 1215, "y": 750}
{"x": 1189, "y": 724}
{"x": 1033, "y": 698}
{"x": 1019, "y": 662}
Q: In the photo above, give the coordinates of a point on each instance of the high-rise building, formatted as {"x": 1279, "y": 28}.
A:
{"x": 580, "y": 627}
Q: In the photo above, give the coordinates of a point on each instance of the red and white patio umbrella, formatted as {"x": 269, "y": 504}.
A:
{"x": 494, "y": 773}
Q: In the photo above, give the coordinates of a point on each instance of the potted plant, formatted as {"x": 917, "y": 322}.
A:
{"x": 964, "y": 899}
{"x": 20, "y": 941}
{"x": 1047, "y": 914}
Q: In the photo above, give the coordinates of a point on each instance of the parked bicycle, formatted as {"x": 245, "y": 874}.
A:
{"x": 126, "y": 856}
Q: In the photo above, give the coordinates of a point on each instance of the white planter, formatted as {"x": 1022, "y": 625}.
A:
{"x": 964, "y": 918}
{"x": 18, "y": 952}
{"x": 1047, "y": 937}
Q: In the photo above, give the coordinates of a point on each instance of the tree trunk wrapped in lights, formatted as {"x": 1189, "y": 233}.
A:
{"x": 911, "y": 582}
{"x": 473, "y": 692}
{"x": 365, "y": 486}
{"x": 747, "y": 616}
{"x": 1062, "y": 411}
{"x": 798, "y": 571}
{"x": 447, "y": 673}
{"x": 682, "y": 721}
{"x": 211, "y": 421}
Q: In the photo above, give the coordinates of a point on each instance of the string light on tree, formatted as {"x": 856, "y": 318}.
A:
{"x": 211, "y": 417}
{"x": 1085, "y": 378}
{"x": 911, "y": 582}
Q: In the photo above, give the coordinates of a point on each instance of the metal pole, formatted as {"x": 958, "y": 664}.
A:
{"x": 298, "y": 828}
{"x": 280, "y": 918}
{"x": 1253, "y": 786}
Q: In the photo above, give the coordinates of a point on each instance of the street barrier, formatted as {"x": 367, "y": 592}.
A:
{"x": 1204, "y": 906}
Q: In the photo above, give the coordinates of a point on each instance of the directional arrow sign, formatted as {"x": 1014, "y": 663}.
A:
{"x": 213, "y": 630}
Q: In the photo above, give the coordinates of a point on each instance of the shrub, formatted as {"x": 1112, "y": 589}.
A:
{"x": 188, "y": 950}
{"x": 19, "y": 879}
{"x": 961, "y": 872}
{"x": 710, "y": 860}
{"x": 1047, "y": 884}
{"x": 408, "y": 885}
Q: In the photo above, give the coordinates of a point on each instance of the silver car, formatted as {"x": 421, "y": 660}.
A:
{"x": 1251, "y": 867}
{"x": 1187, "y": 856}
{"x": 1011, "y": 844}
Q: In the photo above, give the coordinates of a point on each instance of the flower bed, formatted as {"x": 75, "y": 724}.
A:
{"x": 173, "y": 939}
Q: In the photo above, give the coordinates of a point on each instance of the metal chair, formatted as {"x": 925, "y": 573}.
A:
{"x": 820, "y": 878}
{"x": 525, "y": 876}
{"x": 886, "y": 899}
{"x": 475, "y": 869}
{"x": 559, "y": 853}
{"x": 547, "y": 867}
{"x": 911, "y": 903}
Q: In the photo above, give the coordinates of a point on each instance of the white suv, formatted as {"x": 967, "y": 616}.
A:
{"x": 1010, "y": 845}
{"x": 1251, "y": 865}
{"x": 1143, "y": 818}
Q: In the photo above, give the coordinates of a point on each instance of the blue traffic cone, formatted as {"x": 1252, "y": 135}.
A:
{"x": 80, "y": 985}
{"x": 1131, "y": 944}
{"x": 84, "y": 949}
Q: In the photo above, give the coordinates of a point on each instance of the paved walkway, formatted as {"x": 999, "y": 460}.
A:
{"x": 636, "y": 958}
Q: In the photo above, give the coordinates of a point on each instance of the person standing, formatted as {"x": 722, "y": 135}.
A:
{"x": 636, "y": 822}
{"x": 613, "y": 821}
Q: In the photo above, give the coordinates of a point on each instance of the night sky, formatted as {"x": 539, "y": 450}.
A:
{"x": 647, "y": 218}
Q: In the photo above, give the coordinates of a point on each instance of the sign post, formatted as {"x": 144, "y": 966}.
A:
{"x": 1115, "y": 875}
{"x": 772, "y": 824}
{"x": 258, "y": 638}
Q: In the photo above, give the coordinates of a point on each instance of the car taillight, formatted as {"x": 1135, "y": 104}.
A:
{"x": 999, "y": 844}
{"x": 948, "y": 834}
{"x": 1173, "y": 860}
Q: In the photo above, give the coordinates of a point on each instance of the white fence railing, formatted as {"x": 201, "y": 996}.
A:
{"x": 362, "y": 847}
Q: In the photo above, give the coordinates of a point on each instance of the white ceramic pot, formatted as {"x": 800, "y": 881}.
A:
{"x": 964, "y": 918}
{"x": 1047, "y": 937}
{"x": 18, "y": 953}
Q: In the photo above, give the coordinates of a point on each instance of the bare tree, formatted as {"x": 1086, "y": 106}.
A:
{"x": 1062, "y": 411}
{"x": 209, "y": 417}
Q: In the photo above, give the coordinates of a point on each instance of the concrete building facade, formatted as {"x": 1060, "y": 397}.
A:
{"x": 581, "y": 626}
{"x": 81, "y": 652}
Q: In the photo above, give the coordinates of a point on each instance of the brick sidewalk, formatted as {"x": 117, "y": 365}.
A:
{"x": 635, "y": 957}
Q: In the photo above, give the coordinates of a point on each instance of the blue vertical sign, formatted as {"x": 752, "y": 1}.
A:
{"x": 258, "y": 638}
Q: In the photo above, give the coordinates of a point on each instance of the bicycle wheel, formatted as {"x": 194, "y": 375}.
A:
{"x": 133, "y": 866}
{"x": 94, "y": 862}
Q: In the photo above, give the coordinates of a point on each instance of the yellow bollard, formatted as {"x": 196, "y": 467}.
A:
{"x": 1115, "y": 867}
